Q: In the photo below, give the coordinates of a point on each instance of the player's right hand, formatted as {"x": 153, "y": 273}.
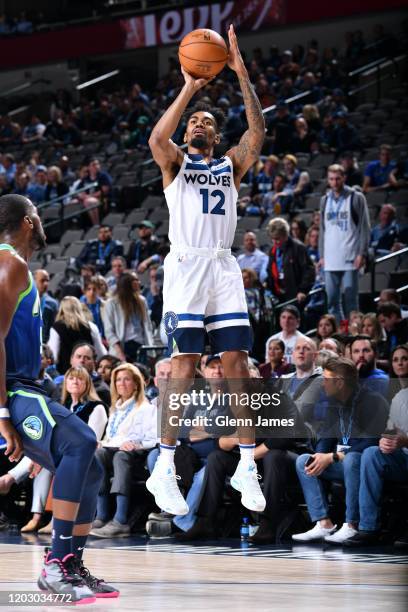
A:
{"x": 14, "y": 448}
{"x": 193, "y": 82}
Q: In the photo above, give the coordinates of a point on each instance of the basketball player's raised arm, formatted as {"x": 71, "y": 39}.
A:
{"x": 13, "y": 280}
{"x": 165, "y": 152}
{"x": 247, "y": 151}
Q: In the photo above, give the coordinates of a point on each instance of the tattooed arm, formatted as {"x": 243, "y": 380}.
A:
{"x": 247, "y": 151}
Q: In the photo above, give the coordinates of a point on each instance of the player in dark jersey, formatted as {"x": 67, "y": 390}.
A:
{"x": 51, "y": 435}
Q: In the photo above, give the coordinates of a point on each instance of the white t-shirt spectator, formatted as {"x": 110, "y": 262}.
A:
{"x": 288, "y": 342}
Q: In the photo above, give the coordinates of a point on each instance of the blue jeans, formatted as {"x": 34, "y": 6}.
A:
{"x": 313, "y": 490}
{"x": 193, "y": 497}
{"x": 339, "y": 284}
{"x": 375, "y": 468}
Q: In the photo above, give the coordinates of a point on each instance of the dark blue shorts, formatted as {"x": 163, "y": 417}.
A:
{"x": 34, "y": 415}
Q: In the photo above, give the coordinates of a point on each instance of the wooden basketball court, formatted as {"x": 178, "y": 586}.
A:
{"x": 163, "y": 575}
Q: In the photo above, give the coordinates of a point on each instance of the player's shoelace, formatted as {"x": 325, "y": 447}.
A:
{"x": 170, "y": 481}
{"x": 69, "y": 573}
{"x": 90, "y": 580}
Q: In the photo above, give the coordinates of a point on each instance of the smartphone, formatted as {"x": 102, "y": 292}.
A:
{"x": 309, "y": 461}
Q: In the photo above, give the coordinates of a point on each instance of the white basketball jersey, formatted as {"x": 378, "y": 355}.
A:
{"x": 202, "y": 202}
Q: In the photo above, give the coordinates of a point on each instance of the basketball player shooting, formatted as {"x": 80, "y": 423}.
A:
{"x": 203, "y": 288}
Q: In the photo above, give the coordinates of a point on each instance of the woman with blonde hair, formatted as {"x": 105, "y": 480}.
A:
{"x": 70, "y": 328}
{"x": 131, "y": 431}
{"x": 56, "y": 188}
{"x": 298, "y": 181}
{"x": 126, "y": 319}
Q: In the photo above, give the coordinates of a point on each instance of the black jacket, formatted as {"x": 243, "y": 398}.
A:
{"x": 298, "y": 270}
{"x": 100, "y": 255}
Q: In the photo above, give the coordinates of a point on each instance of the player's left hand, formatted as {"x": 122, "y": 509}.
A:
{"x": 235, "y": 61}
{"x": 14, "y": 448}
{"x": 35, "y": 469}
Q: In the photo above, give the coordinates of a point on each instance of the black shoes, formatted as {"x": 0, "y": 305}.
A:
{"x": 362, "y": 538}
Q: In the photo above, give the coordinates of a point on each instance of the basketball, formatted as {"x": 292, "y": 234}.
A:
{"x": 203, "y": 53}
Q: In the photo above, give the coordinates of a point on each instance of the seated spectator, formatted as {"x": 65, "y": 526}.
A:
{"x": 297, "y": 181}
{"x": 140, "y": 136}
{"x": 68, "y": 174}
{"x": 70, "y": 328}
{"x": 10, "y": 131}
{"x": 398, "y": 369}
{"x": 153, "y": 293}
{"x": 371, "y": 327}
{"x": 49, "y": 306}
{"x": 351, "y": 170}
{"x": 399, "y": 176}
{"x": 84, "y": 355}
{"x": 298, "y": 229}
{"x": 126, "y": 320}
{"x": 386, "y": 462}
{"x": 280, "y": 128}
{"x": 8, "y": 167}
{"x": 385, "y": 233}
{"x": 144, "y": 248}
{"x": 252, "y": 257}
{"x": 355, "y": 321}
{"x": 289, "y": 321}
{"x": 395, "y": 327}
{"x": 392, "y": 295}
{"x": 275, "y": 364}
{"x": 312, "y": 243}
{"x": 38, "y": 187}
{"x": 103, "y": 119}
{"x": 312, "y": 115}
{"x": 350, "y": 428}
{"x": 34, "y": 131}
{"x": 377, "y": 173}
{"x": 363, "y": 352}
{"x": 94, "y": 304}
{"x": 331, "y": 344}
{"x": 304, "y": 359}
{"x": 99, "y": 251}
{"x": 262, "y": 182}
{"x": 303, "y": 140}
{"x": 290, "y": 270}
{"x": 280, "y": 199}
{"x": 259, "y": 310}
{"x": 80, "y": 397}
{"x": 326, "y": 327}
{"x": 346, "y": 136}
{"x": 55, "y": 188}
{"x": 131, "y": 431}
{"x": 105, "y": 366}
{"x": 117, "y": 268}
{"x": 97, "y": 194}
{"x": 326, "y": 136}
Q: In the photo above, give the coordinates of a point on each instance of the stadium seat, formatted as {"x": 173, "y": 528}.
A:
{"x": 375, "y": 198}
{"x": 71, "y": 236}
{"x": 74, "y": 249}
{"x": 159, "y": 214}
{"x": 135, "y": 216}
{"x": 57, "y": 265}
{"x": 249, "y": 223}
{"x": 113, "y": 219}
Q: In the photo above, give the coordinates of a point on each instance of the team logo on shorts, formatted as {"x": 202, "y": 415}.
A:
{"x": 170, "y": 322}
{"x": 33, "y": 427}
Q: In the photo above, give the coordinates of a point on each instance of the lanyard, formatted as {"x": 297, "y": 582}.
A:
{"x": 103, "y": 253}
{"x": 279, "y": 259}
{"x": 116, "y": 422}
{"x": 78, "y": 407}
{"x": 346, "y": 435}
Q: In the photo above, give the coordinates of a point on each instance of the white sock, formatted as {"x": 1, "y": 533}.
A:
{"x": 167, "y": 454}
{"x": 247, "y": 453}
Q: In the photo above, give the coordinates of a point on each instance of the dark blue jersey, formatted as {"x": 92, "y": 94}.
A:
{"x": 23, "y": 342}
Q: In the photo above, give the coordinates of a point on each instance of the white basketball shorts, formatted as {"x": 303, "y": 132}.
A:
{"x": 203, "y": 290}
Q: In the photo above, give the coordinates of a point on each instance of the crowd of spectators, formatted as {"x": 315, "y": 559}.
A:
{"x": 101, "y": 318}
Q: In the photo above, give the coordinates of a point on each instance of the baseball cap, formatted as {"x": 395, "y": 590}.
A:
{"x": 143, "y": 120}
{"x": 148, "y": 224}
{"x": 211, "y": 358}
{"x": 41, "y": 168}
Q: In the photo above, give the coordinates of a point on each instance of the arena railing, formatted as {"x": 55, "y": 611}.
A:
{"x": 63, "y": 212}
{"x": 399, "y": 290}
{"x": 377, "y": 67}
{"x": 380, "y": 260}
{"x": 265, "y": 111}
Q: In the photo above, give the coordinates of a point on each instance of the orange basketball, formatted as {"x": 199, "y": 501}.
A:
{"x": 203, "y": 53}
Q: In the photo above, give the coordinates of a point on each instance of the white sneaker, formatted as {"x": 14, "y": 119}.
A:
{"x": 246, "y": 481}
{"x": 341, "y": 535}
{"x": 163, "y": 485}
{"x": 317, "y": 533}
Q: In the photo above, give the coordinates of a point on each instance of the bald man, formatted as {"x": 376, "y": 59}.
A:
{"x": 49, "y": 306}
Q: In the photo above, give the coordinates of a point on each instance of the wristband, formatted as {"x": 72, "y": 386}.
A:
{"x": 4, "y": 413}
